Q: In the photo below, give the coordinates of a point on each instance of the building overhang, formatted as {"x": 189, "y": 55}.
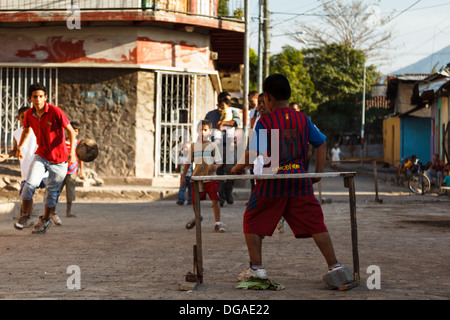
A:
{"x": 226, "y": 35}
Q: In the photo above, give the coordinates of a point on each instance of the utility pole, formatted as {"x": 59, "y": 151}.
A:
{"x": 246, "y": 67}
{"x": 260, "y": 46}
{"x": 363, "y": 115}
{"x": 266, "y": 39}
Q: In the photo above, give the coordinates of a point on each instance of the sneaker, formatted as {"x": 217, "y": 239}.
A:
{"x": 219, "y": 227}
{"x": 248, "y": 273}
{"x": 180, "y": 203}
{"x": 281, "y": 226}
{"x": 42, "y": 225}
{"x": 56, "y": 219}
{"x": 30, "y": 222}
{"x": 21, "y": 221}
{"x": 230, "y": 199}
{"x": 191, "y": 223}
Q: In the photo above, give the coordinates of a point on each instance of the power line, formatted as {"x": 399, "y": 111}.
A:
{"x": 401, "y": 12}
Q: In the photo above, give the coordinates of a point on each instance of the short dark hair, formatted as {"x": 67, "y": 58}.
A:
{"x": 22, "y": 110}
{"x": 252, "y": 93}
{"x": 278, "y": 86}
{"x": 225, "y": 100}
{"x": 205, "y": 122}
{"x": 75, "y": 125}
{"x": 35, "y": 87}
{"x": 222, "y": 95}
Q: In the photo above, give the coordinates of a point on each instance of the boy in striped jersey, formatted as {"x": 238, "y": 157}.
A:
{"x": 282, "y": 136}
{"x": 206, "y": 158}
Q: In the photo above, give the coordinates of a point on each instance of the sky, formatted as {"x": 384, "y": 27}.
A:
{"x": 419, "y": 27}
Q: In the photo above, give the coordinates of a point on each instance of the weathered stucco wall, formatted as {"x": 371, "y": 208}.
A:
{"x": 104, "y": 102}
{"x": 145, "y": 124}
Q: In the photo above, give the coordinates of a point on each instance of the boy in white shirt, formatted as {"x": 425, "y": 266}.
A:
{"x": 28, "y": 150}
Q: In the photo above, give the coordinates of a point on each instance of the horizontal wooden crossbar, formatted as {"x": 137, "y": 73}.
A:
{"x": 273, "y": 176}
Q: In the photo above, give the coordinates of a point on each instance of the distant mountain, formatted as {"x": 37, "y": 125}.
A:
{"x": 442, "y": 58}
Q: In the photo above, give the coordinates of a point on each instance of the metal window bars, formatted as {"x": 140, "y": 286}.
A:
{"x": 14, "y": 83}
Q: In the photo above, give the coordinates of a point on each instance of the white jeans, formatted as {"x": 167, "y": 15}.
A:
{"x": 56, "y": 174}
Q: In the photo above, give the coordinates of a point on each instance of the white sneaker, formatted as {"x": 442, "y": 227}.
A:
{"x": 56, "y": 219}
{"x": 281, "y": 226}
{"x": 248, "y": 273}
{"x": 218, "y": 227}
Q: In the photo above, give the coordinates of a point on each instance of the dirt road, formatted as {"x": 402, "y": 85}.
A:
{"x": 141, "y": 250}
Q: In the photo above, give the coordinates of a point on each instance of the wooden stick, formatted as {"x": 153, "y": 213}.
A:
{"x": 198, "y": 229}
{"x": 350, "y": 184}
{"x": 375, "y": 176}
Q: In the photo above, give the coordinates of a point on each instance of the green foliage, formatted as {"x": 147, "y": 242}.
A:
{"x": 337, "y": 73}
{"x": 289, "y": 62}
{"x": 253, "y": 77}
{"x": 222, "y": 10}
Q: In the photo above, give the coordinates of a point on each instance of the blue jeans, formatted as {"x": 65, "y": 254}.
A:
{"x": 438, "y": 175}
{"x": 182, "y": 191}
{"x": 56, "y": 174}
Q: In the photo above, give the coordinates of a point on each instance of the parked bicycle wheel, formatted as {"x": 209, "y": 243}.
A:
{"x": 419, "y": 183}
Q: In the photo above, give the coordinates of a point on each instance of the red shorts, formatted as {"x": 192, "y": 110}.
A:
{"x": 211, "y": 188}
{"x": 303, "y": 214}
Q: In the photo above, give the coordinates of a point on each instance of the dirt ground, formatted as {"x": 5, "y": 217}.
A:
{"x": 127, "y": 249}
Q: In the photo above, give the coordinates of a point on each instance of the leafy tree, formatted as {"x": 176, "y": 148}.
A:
{"x": 337, "y": 72}
{"x": 289, "y": 62}
{"x": 356, "y": 24}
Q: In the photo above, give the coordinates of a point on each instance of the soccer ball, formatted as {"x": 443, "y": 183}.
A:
{"x": 87, "y": 150}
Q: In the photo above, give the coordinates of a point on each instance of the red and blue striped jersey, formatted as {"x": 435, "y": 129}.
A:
{"x": 282, "y": 136}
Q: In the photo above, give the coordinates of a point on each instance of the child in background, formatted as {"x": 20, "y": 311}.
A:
{"x": 206, "y": 157}
{"x": 73, "y": 170}
{"x": 29, "y": 148}
{"x": 446, "y": 180}
{"x": 184, "y": 159}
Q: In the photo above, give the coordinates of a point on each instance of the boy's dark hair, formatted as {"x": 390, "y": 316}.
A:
{"x": 277, "y": 86}
{"x": 75, "y": 125}
{"x": 22, "y": 110}
{"x": 222, "y": 95}
{"x": 225, "y": 100}
{"x": 252, "y": 93}
{"x": 205, "y": 122}
{"x": 35, "y": 87}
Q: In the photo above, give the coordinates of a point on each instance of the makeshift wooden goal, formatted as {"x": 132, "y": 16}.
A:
{"x": 196, "y": 277}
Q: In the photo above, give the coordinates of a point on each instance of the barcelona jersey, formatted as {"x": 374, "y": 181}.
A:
{"x": 282, "y": 136}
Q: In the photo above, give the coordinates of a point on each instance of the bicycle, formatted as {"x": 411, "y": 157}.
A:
{"x": 418, "y": 182}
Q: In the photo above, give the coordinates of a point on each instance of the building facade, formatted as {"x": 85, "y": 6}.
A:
{"x": 136, "y": 75}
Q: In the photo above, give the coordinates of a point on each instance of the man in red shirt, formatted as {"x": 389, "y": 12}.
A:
{"x": 48, "y": 123}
